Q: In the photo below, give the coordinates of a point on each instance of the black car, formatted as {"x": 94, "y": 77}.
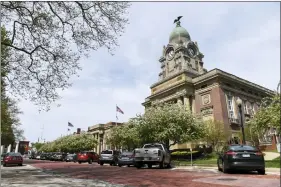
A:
{"x": 241, "y": 157}
{"x": 126, "y": 158}
{"x": 70, "y": 158}
{"x": 43, "y": 156}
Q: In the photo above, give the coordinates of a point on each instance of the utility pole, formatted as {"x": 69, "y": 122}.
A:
{"x": 42, "y": 130}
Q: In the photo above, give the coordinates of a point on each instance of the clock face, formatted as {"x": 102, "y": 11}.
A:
{"x": 191, "y": 51}
{"x": 170, "y": 54}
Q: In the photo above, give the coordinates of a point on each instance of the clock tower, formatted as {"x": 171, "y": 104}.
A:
{"x": 181, "y": 54}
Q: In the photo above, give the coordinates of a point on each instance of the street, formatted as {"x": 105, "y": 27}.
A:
{"x": 58, "y": 174}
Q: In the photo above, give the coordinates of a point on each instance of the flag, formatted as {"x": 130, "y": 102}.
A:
{"x": 119, "y": 110}
{"x": 70, "y": 125}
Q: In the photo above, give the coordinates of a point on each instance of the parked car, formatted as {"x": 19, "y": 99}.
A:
{"x": 241, "y": 157}
{"x": 52, "y": 156}
{"x": 43, "y": 156}
{"x": 60, "y": 156}
{"x": 109, "y": 157}
{"x": 38, "y": 156}
{"x": 12, "y": 158}
{"x": 69, "y": 158}
{"x": 87, "y": 156}
{"x": 126, "y": 158}
{"x": 152, "y": 154}
{"x": 32, "y": 155}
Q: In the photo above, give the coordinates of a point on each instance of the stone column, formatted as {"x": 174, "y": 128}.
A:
{"x": 9, "y": 148}
{"x": 2, "y": 149}
{"x": 17, "y": 148}
{"x": 186, "y": 102}
{"x": 193, "y": 104}
{"x": 179, "y": 101}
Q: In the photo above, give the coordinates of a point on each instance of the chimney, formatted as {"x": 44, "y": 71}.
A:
{"x": 78, "y": 130}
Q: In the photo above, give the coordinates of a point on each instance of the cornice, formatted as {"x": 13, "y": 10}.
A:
{"x": 219, "y": 73}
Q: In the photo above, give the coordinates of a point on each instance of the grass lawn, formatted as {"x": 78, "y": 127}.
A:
{"x": 211, "y": 161}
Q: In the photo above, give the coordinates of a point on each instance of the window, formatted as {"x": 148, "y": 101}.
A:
{"x": 230, "y": 106}
{"x": 204, "y": 86}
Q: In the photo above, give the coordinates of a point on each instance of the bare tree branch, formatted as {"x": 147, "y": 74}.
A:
{"x": 48, "y": 39}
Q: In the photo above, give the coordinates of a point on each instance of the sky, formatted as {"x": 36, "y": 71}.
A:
{"x": 240, "y": 38}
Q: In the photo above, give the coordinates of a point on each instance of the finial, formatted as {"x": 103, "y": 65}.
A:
{"x": 177, "y": 21}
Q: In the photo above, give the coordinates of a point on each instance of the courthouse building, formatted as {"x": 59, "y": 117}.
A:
{"x": 101, "y": 132}
{"x": 210, "y": 94}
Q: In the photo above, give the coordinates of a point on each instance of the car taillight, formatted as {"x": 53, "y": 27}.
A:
{"x": 159, "y": 153}
{"x": 230, "y": 153}
{"x": 259, "y": 154}
{"x": 8, "y": 158}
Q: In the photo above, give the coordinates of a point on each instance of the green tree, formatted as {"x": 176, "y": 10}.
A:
{"x": 125, "y": 136}
{"x": 10, "y": 123}
{"x": 268, "y": 116}
{"x": 214, "y": 134}
{"x": 49, "y": 38}
{"x": 71, "y": 143}
{"x": 169, "y": 124}
{"x": 37, "y": 145}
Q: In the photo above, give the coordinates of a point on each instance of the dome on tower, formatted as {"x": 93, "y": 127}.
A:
{"x": 178, "y": 34}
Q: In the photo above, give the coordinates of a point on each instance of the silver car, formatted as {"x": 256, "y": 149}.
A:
{"x": 126, "y": 158}
{"x": 109, "y": 157}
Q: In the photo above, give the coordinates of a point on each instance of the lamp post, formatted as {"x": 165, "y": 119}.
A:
{"x": 239, "y": 103}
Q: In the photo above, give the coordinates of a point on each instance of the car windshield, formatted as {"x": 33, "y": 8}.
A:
{"x": 14, "y": 154}
{"x": 153, "y": 146}
{"x": 106, "y": 152}
{"x": 243, "y": 148}
{"x": 127, "y": 153}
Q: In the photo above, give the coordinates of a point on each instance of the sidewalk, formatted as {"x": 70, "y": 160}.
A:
{"x": 268, "y": 170}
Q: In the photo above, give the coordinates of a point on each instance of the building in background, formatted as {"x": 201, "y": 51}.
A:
{"x": 101, "y": 132}
{"x": 210, "y": 94}
{"x": 23, "y": 147}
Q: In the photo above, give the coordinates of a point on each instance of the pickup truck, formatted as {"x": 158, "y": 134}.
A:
{"x": 152, "y": 154}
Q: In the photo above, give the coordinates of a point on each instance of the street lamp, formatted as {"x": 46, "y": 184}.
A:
{"x": 239, "y": 103}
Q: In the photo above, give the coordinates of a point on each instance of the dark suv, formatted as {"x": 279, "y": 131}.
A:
{"x": 87, "y": 156}
{"x": 109, "y": 156}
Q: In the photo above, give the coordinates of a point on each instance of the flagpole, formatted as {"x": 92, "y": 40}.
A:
{"x": 116, "y": 115}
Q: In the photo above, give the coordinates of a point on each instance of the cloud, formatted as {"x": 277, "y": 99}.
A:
{"x": 240, "y": 38}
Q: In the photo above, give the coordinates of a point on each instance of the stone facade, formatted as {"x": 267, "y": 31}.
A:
{"x": 101, "y": 132}
{"x": 210, "y": 94}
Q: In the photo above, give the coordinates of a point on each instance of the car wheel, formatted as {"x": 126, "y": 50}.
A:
{"x": 4, "y": 164}
{"x": 138, "y": 165}
{"x": 128, "y": 165}
{"x": 149, "y": 166}
{"x": 261, "y": 171}
{"x": 119, "y": 165}
{"x": 110, "y": 164}
{"x": 79, "y": 162}
{"x": 20, "y": 164}
{"x": 219, "y": 165}
{"x": 224, "y": 170}
{"x": 90, "y": 162}
{"x": 161, "y": 164}
{"x": 101, "y": 163}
